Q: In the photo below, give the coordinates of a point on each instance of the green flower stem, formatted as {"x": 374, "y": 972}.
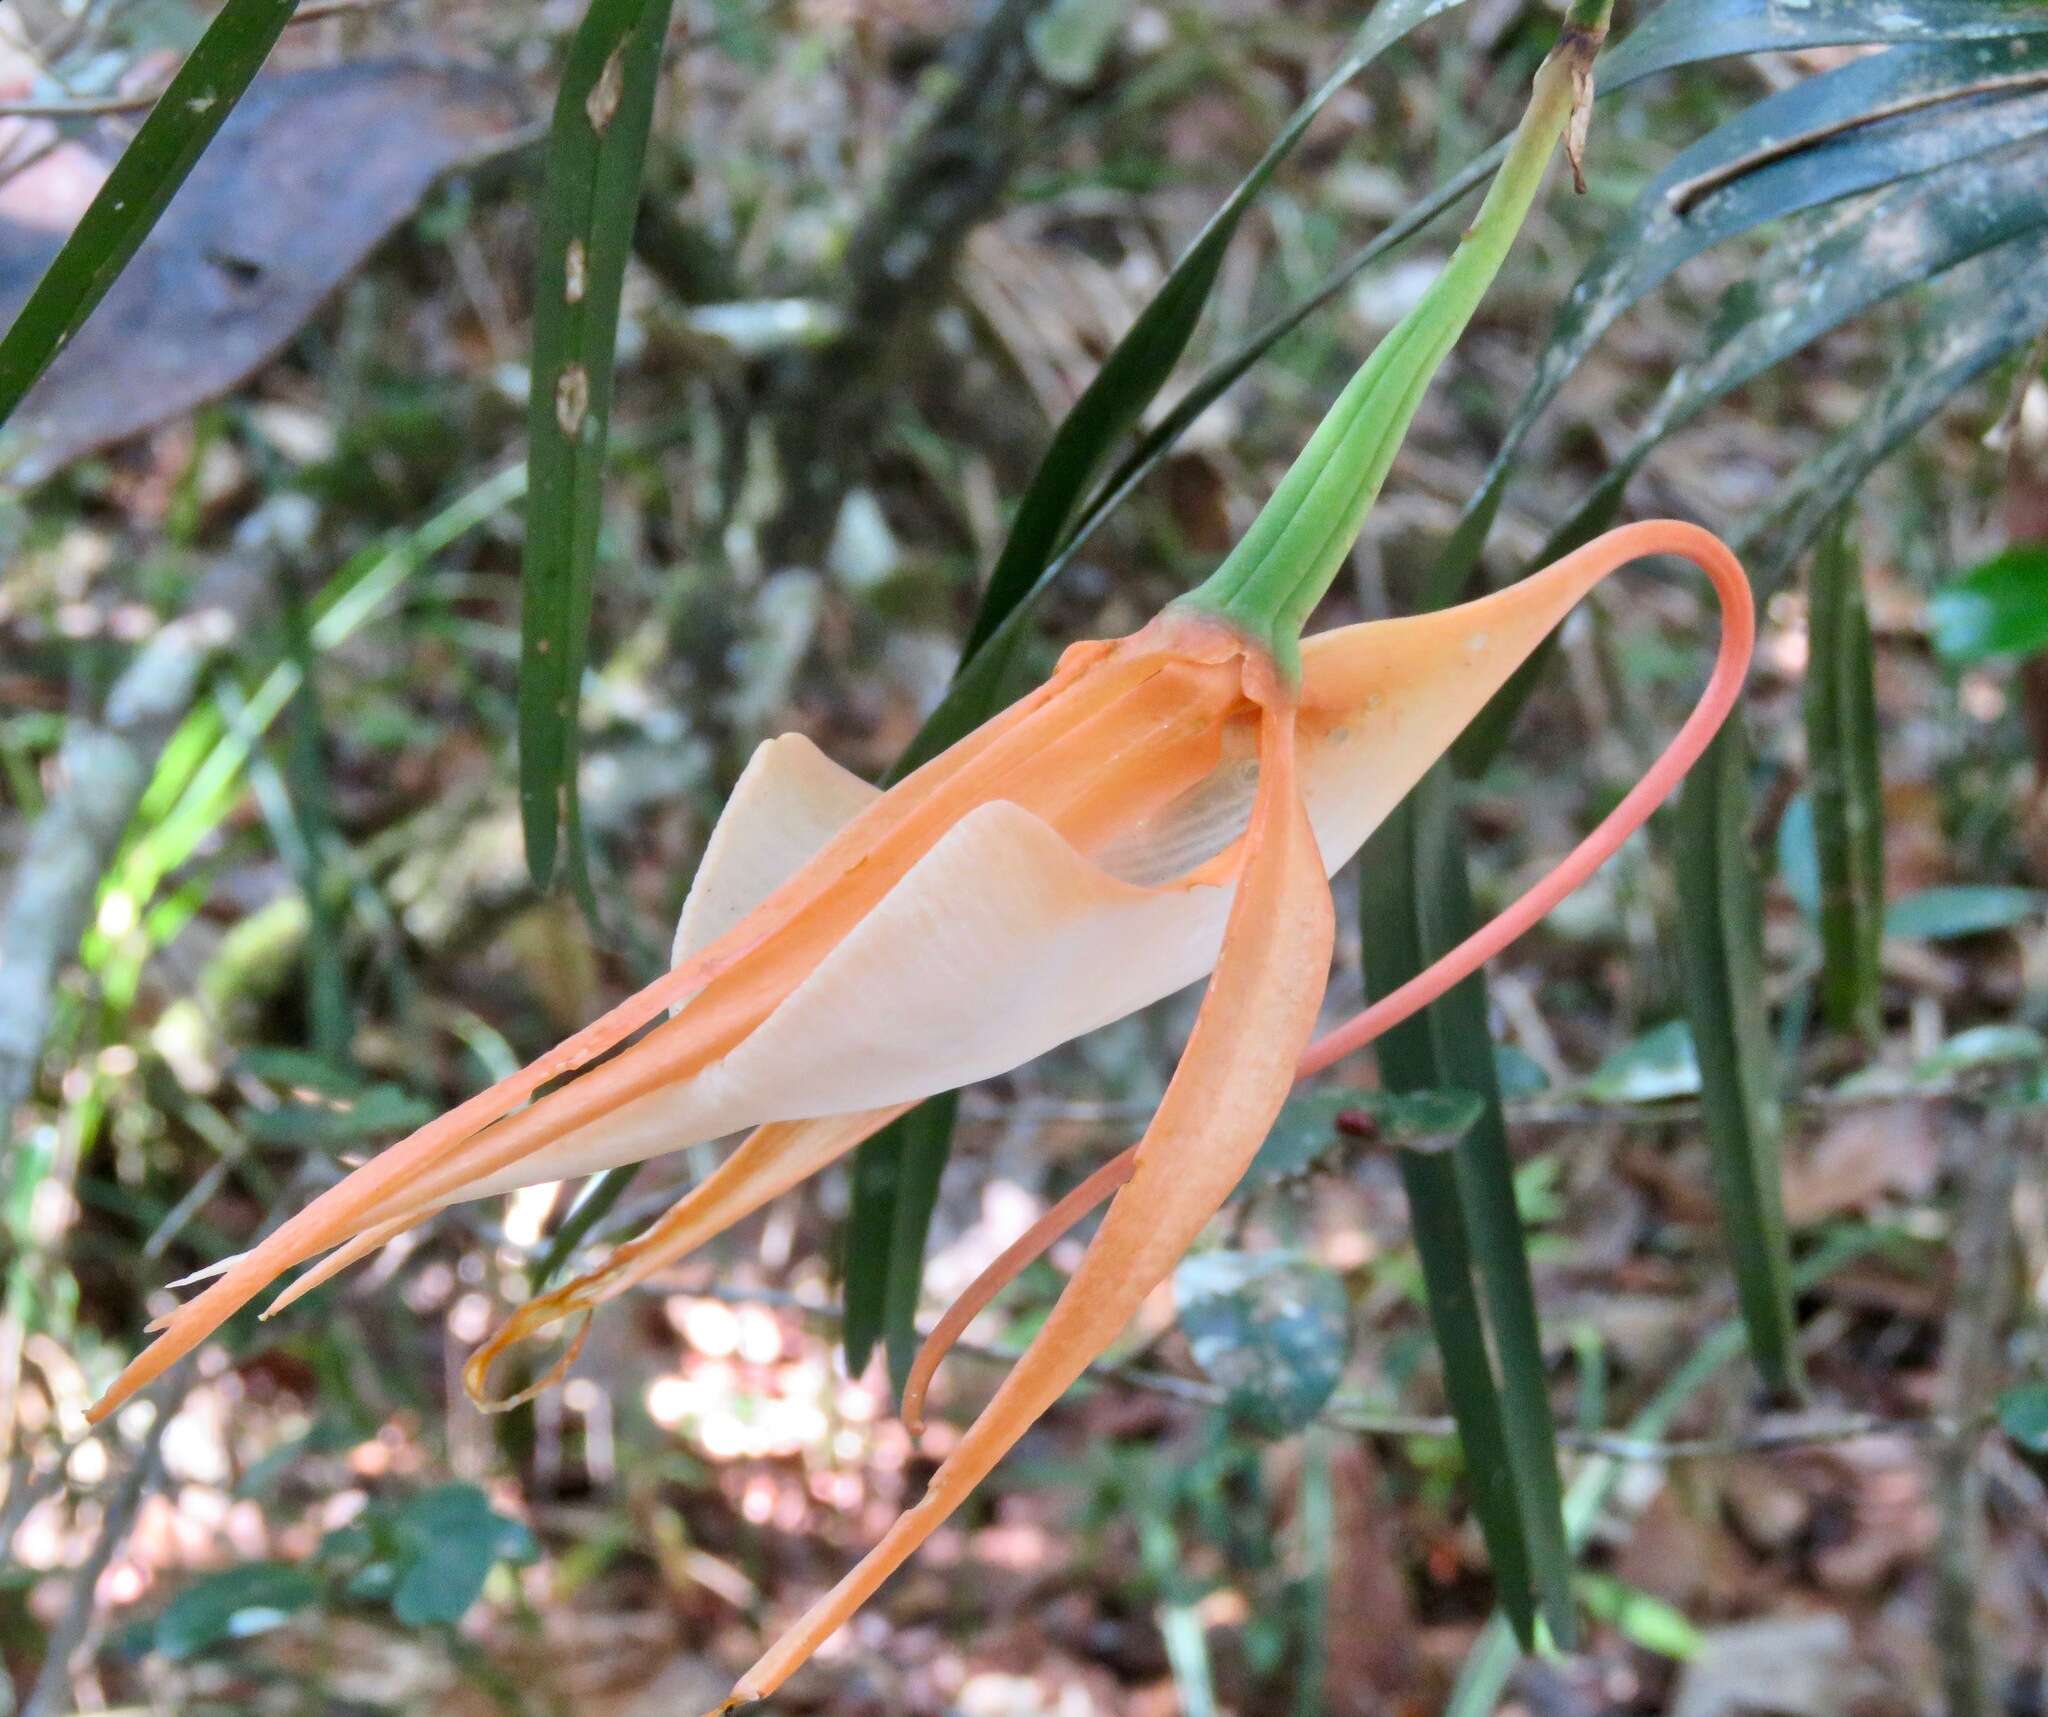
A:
{"x": 1276, "y": 575}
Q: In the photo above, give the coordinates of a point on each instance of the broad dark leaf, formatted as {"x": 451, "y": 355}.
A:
{"x": 1997, "y": 609}
{"x": 1661, "y": 1064}
{"x": 1943, "y": 914}
{"x": 1273, "y": 1330}
{"x": 1720, "y": 941}
{"x": 309, "y": 174}
{"x": 449, "y": 1539}
{"x": 1322, "y": 1123}
{"x": 236, "y": 1603}
{"x": 596, "y": 147}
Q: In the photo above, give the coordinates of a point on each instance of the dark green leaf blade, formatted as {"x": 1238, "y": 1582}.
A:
{"x": 1720, "y": 939}
{"x": 1847, "y": 790}
{"x": 1321, "y": 1126}
{"x": 1973, "y": 317}
{"x": 1686, "y": 32}
{"x": 192, "y": 108}
{"x": 236, "y": 1603}
{"x": 449, "y": 1540}
{"x": 1415, "y": 904}
{"x": 1664, "y": 229}
{"x": 1273, "y": 1329}
{"x": 1825, "y": 268}
{"x": 597, "y": 144}
{"x": 1134, "y": 372}
{"x": 895, "y": 1189}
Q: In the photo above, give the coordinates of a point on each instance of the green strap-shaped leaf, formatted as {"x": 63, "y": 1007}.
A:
{"x": 895, "y": 1189}
{"x": 1685, "y": 32}
{"x": 1042, "y": 538}
{"x": 1662, "y": 230}
{"x": 1414, "y": 906}
{"x": 138, "y": 189}
{"x": 1847, "y": 788}
{"x": 329, "y": 1011}
{"x": 1827, "y": 267}
{"x": 1483, "y": 1677}
{"x": 597, "y": 144}
{"x": 1720, "y": 941}
{"x": 1974, "y": 317}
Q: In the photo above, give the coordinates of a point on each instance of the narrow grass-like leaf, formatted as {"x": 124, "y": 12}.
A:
{"x": 895, "y": 1188}
{"x": 1846, "y": 786}
{"x": 1042, "y": 538}
{"x": 600, "y": 1195}
{"x": 329, "y": 1012}
{"x": 1483, "y": 1676}
{"x": 1134, "y": 372}
{"x": 1720, "y": 940}
{"x": 171, "y": 139}
{"x": 927, "y": 1141}
{"x": 597, "y": 144}
{"x": 199, "y": 777}
{"x": 1414, "y": 906}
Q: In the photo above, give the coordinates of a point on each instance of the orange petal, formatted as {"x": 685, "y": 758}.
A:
{"x": 1257, "y": 1014}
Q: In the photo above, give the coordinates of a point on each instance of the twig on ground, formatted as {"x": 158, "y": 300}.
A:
{"x": 1781, "y": 1434}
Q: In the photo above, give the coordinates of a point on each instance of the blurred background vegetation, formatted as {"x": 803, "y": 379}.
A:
{"x": 909, "y": 291}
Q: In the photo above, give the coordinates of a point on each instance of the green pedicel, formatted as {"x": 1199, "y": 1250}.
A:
{"x": 1272, "y": 581}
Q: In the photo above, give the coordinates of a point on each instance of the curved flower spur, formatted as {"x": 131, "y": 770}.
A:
{"x": 1167, "y": 805}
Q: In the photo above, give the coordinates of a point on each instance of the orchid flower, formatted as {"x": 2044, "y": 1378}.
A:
{"x": 1168, "y": 805}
